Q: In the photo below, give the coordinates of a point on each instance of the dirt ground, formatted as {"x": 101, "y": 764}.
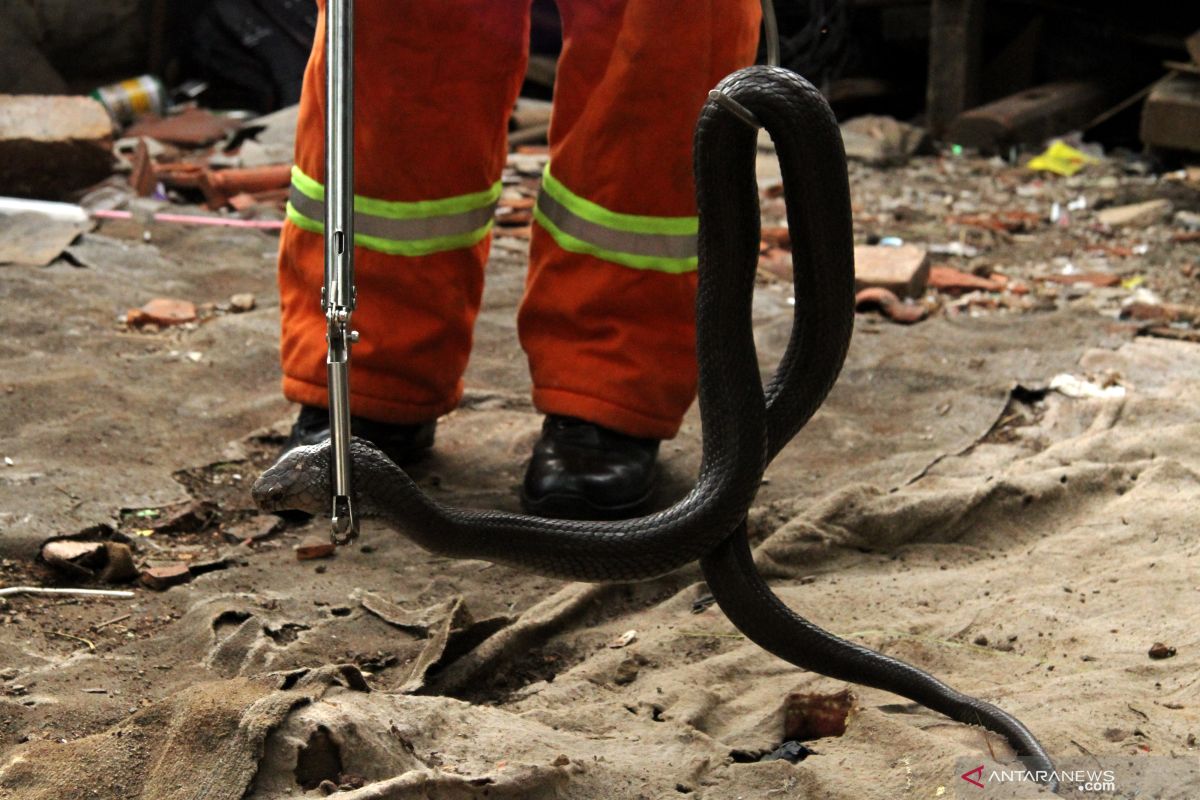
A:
{"x": 946, "y": 506}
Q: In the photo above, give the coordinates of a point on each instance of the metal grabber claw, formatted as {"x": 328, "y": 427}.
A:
{"x": 338, "y": 293}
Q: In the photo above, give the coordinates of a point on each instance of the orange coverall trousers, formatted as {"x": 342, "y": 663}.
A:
{"x": 607, "y": 320}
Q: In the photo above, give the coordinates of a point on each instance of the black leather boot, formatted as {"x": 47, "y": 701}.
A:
{"x": 581, "y": 470}
{"x": 403, "y": 444}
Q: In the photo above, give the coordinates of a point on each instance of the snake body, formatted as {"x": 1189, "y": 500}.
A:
{"x": 743, "y": 425}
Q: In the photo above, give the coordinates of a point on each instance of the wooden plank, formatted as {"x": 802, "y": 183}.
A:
{"x": 1171, "y": 116}
{"x": 1029, "y": 117}
{"x": 955, "y": 42}
{"x": 1193, "y": 46}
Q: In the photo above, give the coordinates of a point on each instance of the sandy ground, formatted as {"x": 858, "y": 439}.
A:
{"x": 945, "y": 507}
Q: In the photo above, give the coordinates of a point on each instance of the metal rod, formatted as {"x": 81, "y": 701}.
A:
{"x": 338, "y": 296}
{"x": 11, "y": 590}
{"x": 771, "y": 32}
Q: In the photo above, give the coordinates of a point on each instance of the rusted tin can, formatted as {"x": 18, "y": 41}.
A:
{"x": 130, "y": 99}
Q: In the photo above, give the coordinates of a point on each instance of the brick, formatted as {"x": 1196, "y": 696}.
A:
{"x": 892, "y": 307}
{"x": 314, "y": 547}
{"x": 162, "y": 578}
{"x": 954, "y": 281}
{"x": 194, "y": 127}
{"x": 902, "y": 270}
{"x": 51, "y": 146}
{"x": 162, "y": 311}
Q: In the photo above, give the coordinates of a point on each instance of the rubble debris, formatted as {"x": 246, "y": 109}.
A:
{"x": 777, "y": 263}
{"x": 220, "y": 185}
{"x": 119, "y": 567}
{"x": 1188, "y": 220}
{"x": 624, "y": 640}
{"x": 1098, "y": 279}
{"x": 254, "y": 529}
{"x": 164, "y": 577}
{"x": 901, "y": 270}
{"x": 313, "y": 547}
{"x": 529, "y": 122}
{"x": 1080, "y": 388}
{"x": 954, "y": 281}
{"x": 892, "y": 307}
{"x": 627, "y": 671}
{"x": 51, "y": 146}
{"x": 111, "y": 561}
{"x": 194, "y": 127}
{"x": 141, "y": 176}
{"x": 161, "y": 311}
{"x": 269, "y": 139}
{"x": 776, "y": 236}
{"x": 1160, "y": 312}
{"x": 816, "y": 716}
{"x": 792, "y": 752}
{"x": 35, "y": 239}
{"x": 73, "y": 557}
{"x": 1159, "y": 651}
{"x": 1171, "y": 113}
{"x": 882, "y": 141}
{"x": 1136, "y": 215}
{"x": 1030, "y": 116}
{"x": 1008, "y": 221}
{"x": 242, "y": 302}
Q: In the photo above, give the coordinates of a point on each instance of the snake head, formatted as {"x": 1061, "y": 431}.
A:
{"x": 298, "y": 481}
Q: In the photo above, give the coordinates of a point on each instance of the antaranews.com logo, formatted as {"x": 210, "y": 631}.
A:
{"x": 1081, "y": 780}
{"x": 1085, "y": 778}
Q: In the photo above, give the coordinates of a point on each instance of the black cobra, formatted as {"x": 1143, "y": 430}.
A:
{"x": 744, "y": 426}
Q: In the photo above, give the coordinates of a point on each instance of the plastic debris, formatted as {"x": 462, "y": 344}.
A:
{"x": 1061, "y": 159}
{"x": 1080, "y": 388}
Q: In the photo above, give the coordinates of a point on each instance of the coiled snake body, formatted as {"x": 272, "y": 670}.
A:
{"x": 744, "y": 426}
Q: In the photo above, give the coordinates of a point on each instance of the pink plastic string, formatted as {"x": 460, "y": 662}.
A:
{"x": 187, "y": 219}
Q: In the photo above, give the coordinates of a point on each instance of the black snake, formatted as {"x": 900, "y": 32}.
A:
{"x": 744, "y": 426}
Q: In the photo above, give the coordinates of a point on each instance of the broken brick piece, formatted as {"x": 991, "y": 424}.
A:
{"x": 902, "y": 270}
{"x": 816, "y": 716}
{"x": 516, "y": 217}
{"x": 955, "y": 281}
{"x": 892, "y": 307}
{"x": 162, "y": 578}
{"x": 776, "y": 236}
{"x": 194, "y": 127}
{"x": 141, "y": 178}
{"x": 162, "y": 311}
{"x": 314, "y": 547}
{"x": 1101, "y": 279}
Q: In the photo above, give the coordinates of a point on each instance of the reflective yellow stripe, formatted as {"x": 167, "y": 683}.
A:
{"x": 578, "y": 225}
{"x": 400, "y": 228}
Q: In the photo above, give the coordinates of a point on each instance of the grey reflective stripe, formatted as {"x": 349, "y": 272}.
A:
{"x": 652, "y": 245}
{"x": 403, "y": 230}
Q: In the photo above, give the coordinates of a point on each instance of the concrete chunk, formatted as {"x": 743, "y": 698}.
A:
{"x": 1137, "y": 215}
{"x": 902, "y": 270}
{"x": 51, "y": 146}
